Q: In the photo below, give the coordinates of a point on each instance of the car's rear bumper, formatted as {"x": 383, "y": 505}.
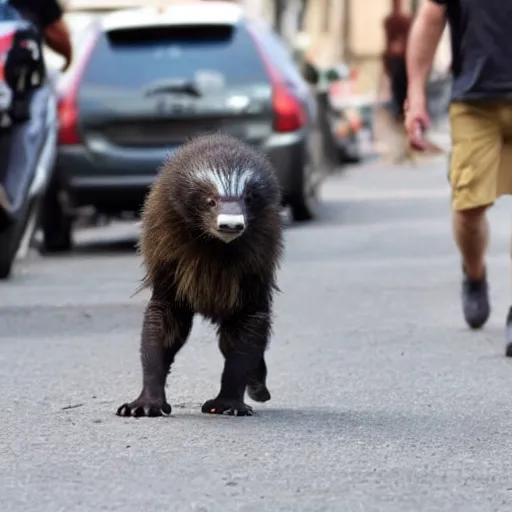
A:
{"x": 122, "y": 183}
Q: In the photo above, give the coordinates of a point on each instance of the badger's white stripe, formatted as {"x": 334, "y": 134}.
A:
{"x": 232, "y": 221}
{"x": 233, "y": 186}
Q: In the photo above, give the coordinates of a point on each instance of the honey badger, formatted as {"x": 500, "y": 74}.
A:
{"x": 211, "y": 242}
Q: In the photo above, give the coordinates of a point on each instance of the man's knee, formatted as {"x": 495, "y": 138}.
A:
{"x": 470, "y": 215}
{"x": 470, "y": 224}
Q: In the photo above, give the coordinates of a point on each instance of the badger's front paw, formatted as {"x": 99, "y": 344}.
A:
{"x": 145, "y": 407}
{"x": 227, "y": 407}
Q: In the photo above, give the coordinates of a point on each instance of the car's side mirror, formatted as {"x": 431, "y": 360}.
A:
{"x": 336, "y": 73}
{"x": 331, "y": 75}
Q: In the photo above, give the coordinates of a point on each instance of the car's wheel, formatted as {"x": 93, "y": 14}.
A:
{"x": 303, "y": 202}
{"x": 57, "y": 236}
{"x": 7, "y": 251}
{"x": 10, "y": 238}
{"x": 56, "y": 223}
{"x": 352, "y": 153}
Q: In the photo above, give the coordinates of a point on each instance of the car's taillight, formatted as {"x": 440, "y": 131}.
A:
{"x": 288, "y": 112}
{"x": 6, "y": 40}
{"x": 289, "y": 115}
{"x": 68, "y": 121}
{"x": 68, "y": 91}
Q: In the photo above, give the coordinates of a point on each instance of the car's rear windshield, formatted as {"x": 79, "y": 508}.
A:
{"x": 133, "y": 58}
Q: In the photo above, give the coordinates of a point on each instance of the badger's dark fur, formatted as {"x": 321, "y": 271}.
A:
{"x": 211, "y": 242}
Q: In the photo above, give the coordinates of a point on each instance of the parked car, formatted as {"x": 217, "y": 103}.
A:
{"x": 345, "y": 118}
{"x": 349, "y": 126}
{"x": 346, "y": 126}
{"x": 146, "y": 80}
{"x": 28, "y": 133}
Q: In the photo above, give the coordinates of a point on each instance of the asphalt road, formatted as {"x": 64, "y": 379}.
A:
{"x": 382, "y": 399}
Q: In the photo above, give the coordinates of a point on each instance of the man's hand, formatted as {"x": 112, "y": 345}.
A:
{"x": 417, "y": 121}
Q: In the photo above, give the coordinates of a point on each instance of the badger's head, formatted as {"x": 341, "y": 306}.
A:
{"x": 224, "y": 188}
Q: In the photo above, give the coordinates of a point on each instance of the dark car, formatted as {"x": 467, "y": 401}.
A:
{"x": 148, "y": 79}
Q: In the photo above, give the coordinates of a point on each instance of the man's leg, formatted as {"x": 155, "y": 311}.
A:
{"x": 475, "y": 161}
{"x": 399, "y": 94}
{"x": 471, "y": 233}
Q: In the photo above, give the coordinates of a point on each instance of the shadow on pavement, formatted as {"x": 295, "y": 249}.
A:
{"x": 323, "y": 421}
{"x": 128, "y": 245}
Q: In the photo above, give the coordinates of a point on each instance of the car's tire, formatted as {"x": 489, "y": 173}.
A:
{"x": 56, "y": 223}
{"x": 351, "y": 155}
{"x": 10, "y": 238}
{"x": 8, "y": 251}
{"x": 352, "y": 159}
{"x": 57, "y": 235}
{"x": 303, "y": 201}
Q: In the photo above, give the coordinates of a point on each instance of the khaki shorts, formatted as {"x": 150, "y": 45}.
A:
{"x": 481, "y": 159}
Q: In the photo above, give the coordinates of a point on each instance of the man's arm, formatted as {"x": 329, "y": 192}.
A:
{"x": 58, "y": 39}
{"x": 425, "y": 34}
{"x": 55, "y": 31}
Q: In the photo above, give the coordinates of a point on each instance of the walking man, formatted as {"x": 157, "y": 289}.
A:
{"x": 481, "y": 125}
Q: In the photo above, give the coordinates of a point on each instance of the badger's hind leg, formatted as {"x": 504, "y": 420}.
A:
{"x": 257, "y": 383}
{"x": 165, "y": 330}
{"x": 242, "y": 341}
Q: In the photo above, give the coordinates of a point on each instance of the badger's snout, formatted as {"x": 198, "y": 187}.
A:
{"x": 230, "y": 221}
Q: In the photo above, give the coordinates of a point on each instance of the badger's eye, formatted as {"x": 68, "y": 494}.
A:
{"x": 211, "y": 202}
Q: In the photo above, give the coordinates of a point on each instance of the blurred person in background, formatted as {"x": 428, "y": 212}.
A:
{"x": 47, "y": 15}
{"x": 396, "y": 28}
{"x": 481, "y": 126}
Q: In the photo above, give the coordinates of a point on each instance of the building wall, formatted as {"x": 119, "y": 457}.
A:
{"x": 324, "y": 22}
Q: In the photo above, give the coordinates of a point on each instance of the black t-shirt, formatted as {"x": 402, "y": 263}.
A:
{"x": 481, "y": 36}
{"x": 40, "y": 12}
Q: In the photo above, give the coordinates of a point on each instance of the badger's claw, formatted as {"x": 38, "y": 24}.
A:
{"x": 226, "y": 407}
{"x": 143, "y": 407}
